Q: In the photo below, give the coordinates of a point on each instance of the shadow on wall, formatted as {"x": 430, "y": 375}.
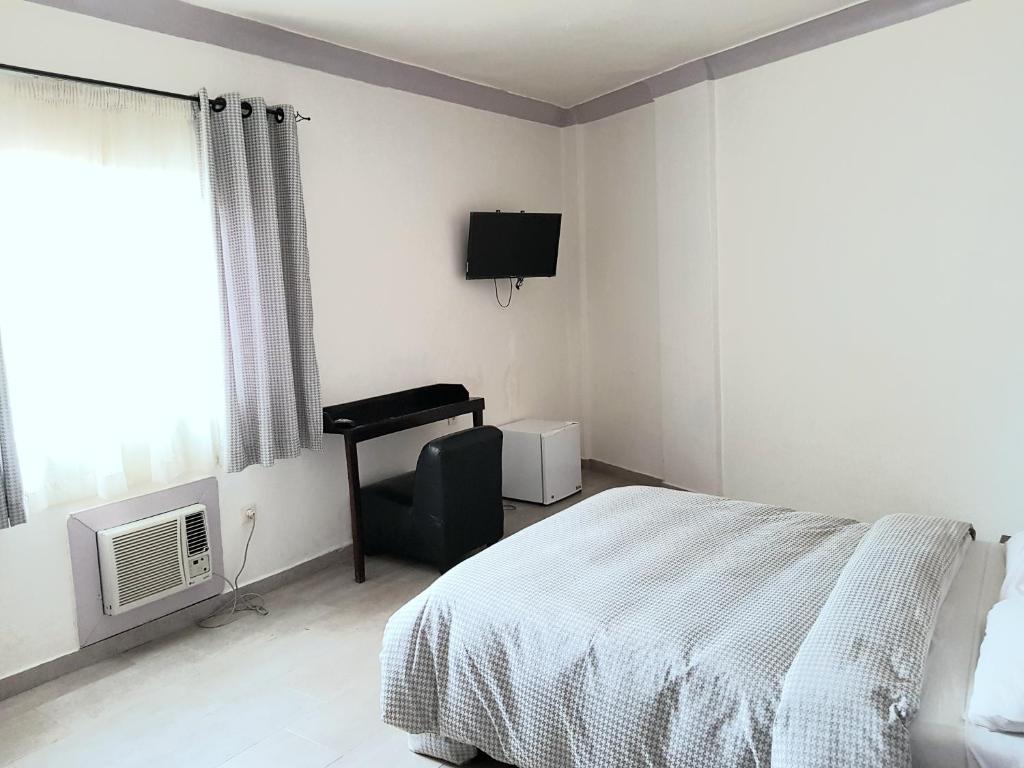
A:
{"x": 462, "y": 243}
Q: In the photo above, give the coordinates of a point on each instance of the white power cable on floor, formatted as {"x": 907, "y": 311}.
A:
{"x": 228, "y": 611}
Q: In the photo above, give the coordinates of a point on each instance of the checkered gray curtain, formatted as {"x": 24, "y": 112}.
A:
{"x": 251, "y": 165}
{"x": 12, "y": 503}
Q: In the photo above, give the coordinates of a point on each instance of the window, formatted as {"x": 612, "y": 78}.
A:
{"x": 109, "y": 308}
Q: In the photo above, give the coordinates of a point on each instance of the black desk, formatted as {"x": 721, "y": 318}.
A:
{"x": 384, "y": 415}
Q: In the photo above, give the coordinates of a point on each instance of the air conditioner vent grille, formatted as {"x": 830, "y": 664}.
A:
{"x": 195, "y": 533}
{"x": 148, "y": 562}
{"x": 148, "y": 559}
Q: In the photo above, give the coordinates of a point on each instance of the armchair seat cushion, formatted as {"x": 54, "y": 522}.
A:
{"x": 399, "y": 489}
{"x": 387, "y": 515}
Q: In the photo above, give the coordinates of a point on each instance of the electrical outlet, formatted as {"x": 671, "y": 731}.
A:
{"x": 249, "y": 512}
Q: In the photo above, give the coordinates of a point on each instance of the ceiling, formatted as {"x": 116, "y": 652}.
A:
{"x": 560, "y": 51}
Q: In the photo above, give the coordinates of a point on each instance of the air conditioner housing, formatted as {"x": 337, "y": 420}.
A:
{"x": 154, "y": 557}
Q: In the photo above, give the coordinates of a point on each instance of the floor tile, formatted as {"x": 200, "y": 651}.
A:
{"x": 284, "y": 749}
{"x": 389, "y": 749}
{"x": 26, "y": 732}
{"x": 345, "y": 723}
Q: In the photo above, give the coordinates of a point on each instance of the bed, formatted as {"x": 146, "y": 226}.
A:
{"x": 647, "y": 626}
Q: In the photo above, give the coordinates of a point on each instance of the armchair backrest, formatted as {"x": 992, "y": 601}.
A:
{"x": 458, "y": 490}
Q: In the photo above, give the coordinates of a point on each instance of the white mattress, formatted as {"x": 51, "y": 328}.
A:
{"x": 940, "y": 736}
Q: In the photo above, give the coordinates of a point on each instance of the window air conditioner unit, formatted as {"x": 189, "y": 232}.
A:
{"x": 154, "y": 557}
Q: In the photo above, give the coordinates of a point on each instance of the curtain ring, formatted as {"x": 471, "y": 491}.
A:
{"x": 246, "y": 109}
{"x": 218, "y": 104}
{"x": 279, "y": 114}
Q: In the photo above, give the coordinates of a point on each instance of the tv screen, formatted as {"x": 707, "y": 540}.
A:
{"x": 512, "y": 245}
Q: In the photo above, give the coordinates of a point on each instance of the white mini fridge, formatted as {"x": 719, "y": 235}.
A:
{"x": 540, "y": 460}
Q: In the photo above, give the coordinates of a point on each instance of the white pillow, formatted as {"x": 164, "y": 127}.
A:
{"x": 997, "y": 702}
{"x": 1013, "y": 585}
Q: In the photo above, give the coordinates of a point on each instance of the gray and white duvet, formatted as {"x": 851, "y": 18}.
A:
{"x": 652, "y": 627}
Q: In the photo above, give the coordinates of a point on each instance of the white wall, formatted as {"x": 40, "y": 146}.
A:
{"x": 622, "y": 382}
{"x": 389, "y": 178}
{"x": 688, "y": 289}
{"x": 871, "y": 195}
{"x": 651, "y": 383}
{"x": 837, "y": 276}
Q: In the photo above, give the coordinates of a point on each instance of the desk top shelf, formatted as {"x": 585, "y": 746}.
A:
{"x": 387, "y": 414}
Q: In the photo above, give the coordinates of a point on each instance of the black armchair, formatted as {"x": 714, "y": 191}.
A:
{"x": 448, "y": 507}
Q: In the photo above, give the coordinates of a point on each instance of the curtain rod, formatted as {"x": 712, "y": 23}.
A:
{"x": 216, "y": 104}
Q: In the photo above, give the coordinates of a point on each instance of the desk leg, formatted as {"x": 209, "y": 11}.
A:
{"x": 352, "y": 462}
{"x": 478, "y": 418}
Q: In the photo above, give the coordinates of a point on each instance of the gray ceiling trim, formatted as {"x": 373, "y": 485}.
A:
{"x": 631, "y": 96}
{"x": 203, "y": 25}
{"x": 174, "y": 17}
{"x": 681, "y": 77}
{"x": 817, "y": 33}
{"x": 644, "y": 92}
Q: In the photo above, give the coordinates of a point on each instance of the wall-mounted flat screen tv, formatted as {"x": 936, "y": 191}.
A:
{"x": 512, "y": 245}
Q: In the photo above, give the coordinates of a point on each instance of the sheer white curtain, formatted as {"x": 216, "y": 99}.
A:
{"x": 108, "y": 291}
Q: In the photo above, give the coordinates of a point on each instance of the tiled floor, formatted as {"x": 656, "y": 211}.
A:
{"x": 295, "y": 689}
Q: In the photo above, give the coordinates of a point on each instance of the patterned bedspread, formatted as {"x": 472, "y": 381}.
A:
{"x": 652, "y": 627}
